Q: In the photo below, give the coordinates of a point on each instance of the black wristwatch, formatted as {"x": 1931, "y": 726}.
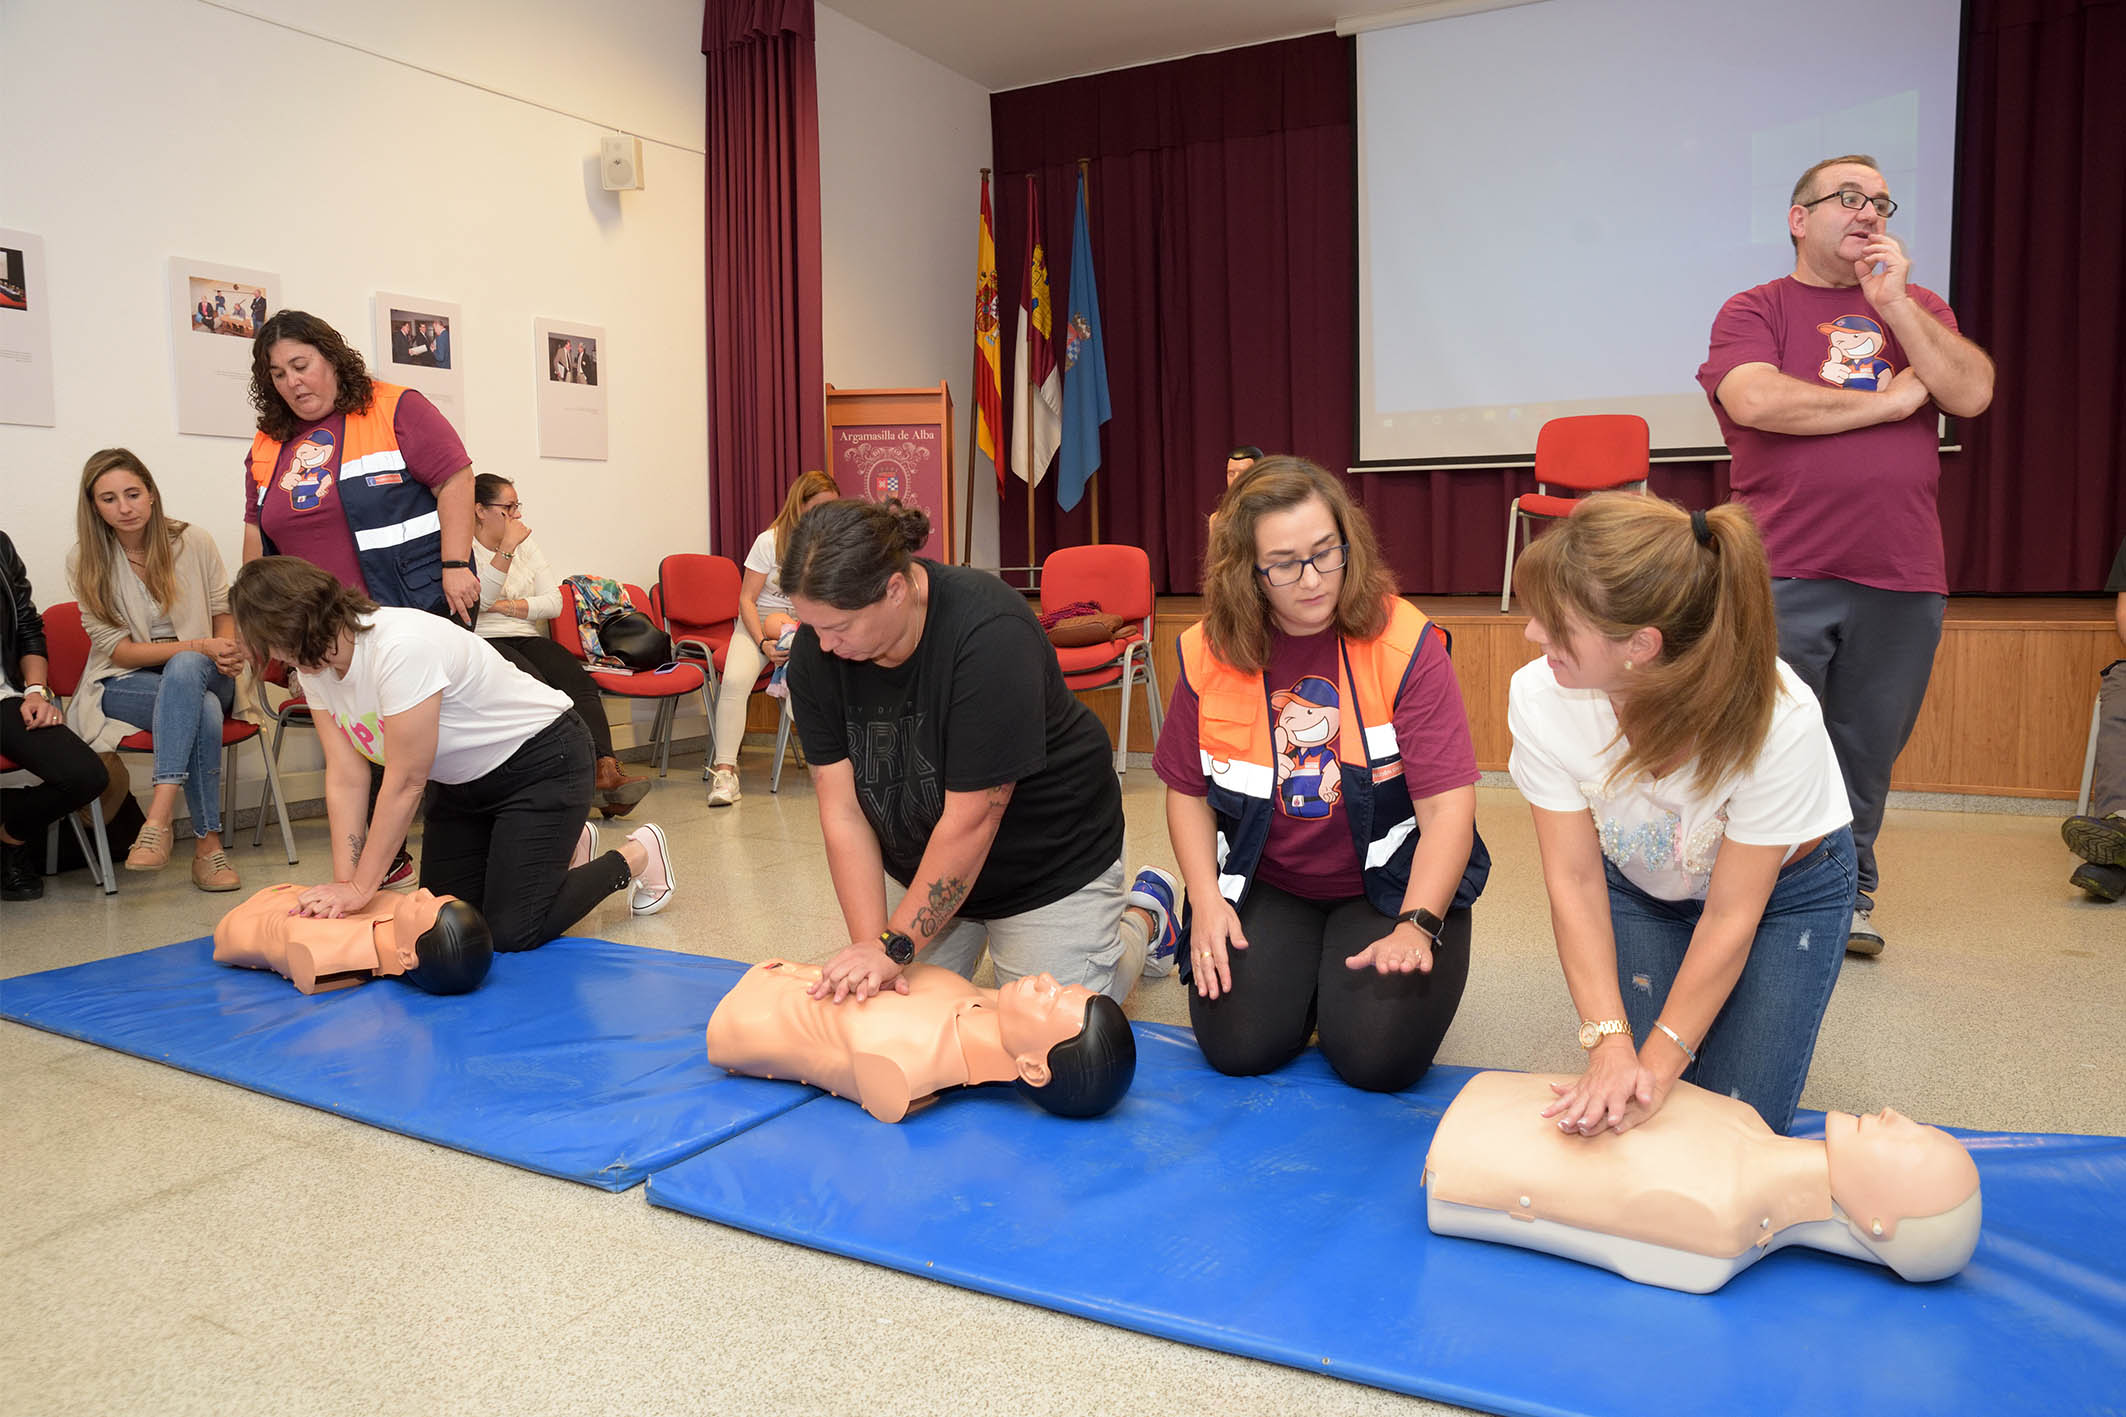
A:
{"x": 898, "y": 947}
{"x": 1424, "y": 920}
{"x": 457, "y": 565}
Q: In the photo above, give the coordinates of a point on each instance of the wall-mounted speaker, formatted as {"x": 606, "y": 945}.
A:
{"x": 620, "y": 163}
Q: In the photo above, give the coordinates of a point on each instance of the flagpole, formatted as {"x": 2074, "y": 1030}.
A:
{"x": 974, "y": 424}
{"x": 1092, "y": 485}
{"x": 1027, "y": 395}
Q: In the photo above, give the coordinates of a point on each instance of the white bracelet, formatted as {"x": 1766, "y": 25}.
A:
{"x": 1676, "y": 1039}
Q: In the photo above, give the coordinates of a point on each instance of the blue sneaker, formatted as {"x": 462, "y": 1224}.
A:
{"x": 1157, "y": 891}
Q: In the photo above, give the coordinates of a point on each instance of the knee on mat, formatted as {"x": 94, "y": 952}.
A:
{"x": 1373, "y": 1069}
{"x": 1247, "y": 1057}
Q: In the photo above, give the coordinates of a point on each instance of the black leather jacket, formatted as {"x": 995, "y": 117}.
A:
{"x": 21, "y": 627}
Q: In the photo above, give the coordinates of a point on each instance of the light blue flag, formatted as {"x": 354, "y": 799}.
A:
{"x": 1085, "y": 403}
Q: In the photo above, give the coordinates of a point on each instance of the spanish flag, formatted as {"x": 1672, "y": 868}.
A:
{"x": 988, "y": 359}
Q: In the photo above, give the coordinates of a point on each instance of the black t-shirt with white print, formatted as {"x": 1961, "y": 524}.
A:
{"x": 981, "y": 702}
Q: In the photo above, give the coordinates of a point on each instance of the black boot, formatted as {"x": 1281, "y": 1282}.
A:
{"x": 19, "y": 877}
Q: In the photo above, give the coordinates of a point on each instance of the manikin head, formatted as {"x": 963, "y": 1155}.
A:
{"x": 1074, "y": 1049}
{"x": 443, "y": 942}
{"x": 1909, "y": 1193}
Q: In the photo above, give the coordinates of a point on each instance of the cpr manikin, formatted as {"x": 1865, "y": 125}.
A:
{"x": 1702, "y": 1190}
{"x": 439, "y": 943}
{"x": 1069, "y": 1049}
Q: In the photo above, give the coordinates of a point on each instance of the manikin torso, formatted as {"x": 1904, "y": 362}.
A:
{"x": 886, "y": 1052}
{"x": 1700, "y": 1191}
{"x": 321, "y": 955}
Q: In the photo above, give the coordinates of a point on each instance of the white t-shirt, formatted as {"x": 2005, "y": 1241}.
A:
{"x": 490, "y": 707}
{"x": 771, "y": 600}
{"x": 1659, "y": 833}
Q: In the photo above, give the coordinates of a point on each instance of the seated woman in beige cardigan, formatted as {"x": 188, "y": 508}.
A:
{"x": 162, "y": 653}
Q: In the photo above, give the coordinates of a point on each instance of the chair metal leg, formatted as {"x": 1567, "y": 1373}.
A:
{"x": 782, "y": 746}
{"x": 1513, "y": 523}
{"x": 280, "y": 803}
{"x": 2096, "y": 721}
{"x": 1151, "y": 689}
{"x": 1129, "y": 662}
{"x": 258, "y": 826}
{"x": 667, "y": 715}
{"x": 97, "y": 855}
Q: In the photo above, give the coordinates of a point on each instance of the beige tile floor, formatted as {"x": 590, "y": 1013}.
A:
{"x": 174, "y": 1245}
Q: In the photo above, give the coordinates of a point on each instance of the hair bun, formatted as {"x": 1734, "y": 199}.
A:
{"x": 913, "y": 523}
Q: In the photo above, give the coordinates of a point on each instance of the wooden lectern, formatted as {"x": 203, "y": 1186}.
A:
{"x": 896, "y": 443}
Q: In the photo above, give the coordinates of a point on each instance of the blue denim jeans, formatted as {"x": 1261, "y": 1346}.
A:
{"x": 183, "y": 704}
{"x": 1759, "y": 1046}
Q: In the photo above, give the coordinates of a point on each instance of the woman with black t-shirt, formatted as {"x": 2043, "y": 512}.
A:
{"x": 949, "y": 754}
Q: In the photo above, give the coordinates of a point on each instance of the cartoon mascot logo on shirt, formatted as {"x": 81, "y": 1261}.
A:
{"x": 1851, "y": 362}
{"x": 1304, "y": 737}
{"x": 305, "y": 481}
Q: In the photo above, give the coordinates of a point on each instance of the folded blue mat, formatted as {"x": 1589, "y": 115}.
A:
{"x": 1282, "y": 1218}
{"x": 583, "y": 1059}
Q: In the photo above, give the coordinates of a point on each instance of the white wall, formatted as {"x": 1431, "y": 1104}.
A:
{"x": 902, "y": 141}
{"x": 143, "y": 129}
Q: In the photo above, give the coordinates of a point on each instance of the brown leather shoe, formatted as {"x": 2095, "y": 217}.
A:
{"x": 617, "y": 792}
{"x": 212, "y": 872}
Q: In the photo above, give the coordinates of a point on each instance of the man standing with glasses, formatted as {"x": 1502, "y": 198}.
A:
{"x": 1827, "y": 384}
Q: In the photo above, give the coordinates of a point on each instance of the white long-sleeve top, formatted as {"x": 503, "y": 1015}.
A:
{"x": 527, "y": 577}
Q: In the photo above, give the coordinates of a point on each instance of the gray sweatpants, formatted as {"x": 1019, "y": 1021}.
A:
{"x": 2107, "y": 790}
{"x": 1867, "y": 653}
{"x": 1086, "y": 938}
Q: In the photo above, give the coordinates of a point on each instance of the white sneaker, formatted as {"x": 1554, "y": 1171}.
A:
{"x": 586, "y": 847}
{"x": 651, "y": 891}
{"x": 723, "y": 787}
{"x": 1863, "y": 938}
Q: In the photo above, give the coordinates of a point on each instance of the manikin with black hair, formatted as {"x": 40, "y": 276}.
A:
{"x": 437, "y": 942}
{"x": 1068, "y": 1048}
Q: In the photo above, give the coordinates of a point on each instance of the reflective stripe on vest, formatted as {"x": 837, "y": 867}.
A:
{"x": 378, "y": 537}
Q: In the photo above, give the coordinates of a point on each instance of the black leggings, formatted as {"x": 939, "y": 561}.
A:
{"x": 502, "y": 842}
{"x": 70, "y": 775}
{"x": 1379, "y": 1031}
{"x": 556, "y": 668}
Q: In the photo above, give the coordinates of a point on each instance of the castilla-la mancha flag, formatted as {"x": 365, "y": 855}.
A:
{"x": 988, "y": 358}
{"x": 1036, "y": 381}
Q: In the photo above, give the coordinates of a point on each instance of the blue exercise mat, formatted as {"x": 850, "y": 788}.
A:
{"x": 583, "y": 1059}
{"x": 1282, "y": 1218}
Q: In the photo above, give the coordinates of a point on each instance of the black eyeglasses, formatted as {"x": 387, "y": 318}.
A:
{"x": 507, "y": 509}
{"x": 1325, "y": 563}
{"x": 1853, "y": 201}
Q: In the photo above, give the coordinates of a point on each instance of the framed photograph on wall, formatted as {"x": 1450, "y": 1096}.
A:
{"x": 571, "y": 389}
{"x": 419, "y": 344}
{"x": 25, "y": 332}
{"x": 214, "y": 313}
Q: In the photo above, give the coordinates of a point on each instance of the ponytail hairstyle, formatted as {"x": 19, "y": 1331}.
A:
{"x": 1237, "y": 614}
{"x": 844, "y": 553}
{"x": 812, "y": 484}
{"x": 96, "y": 551}
{"x": 1623, "y": 561}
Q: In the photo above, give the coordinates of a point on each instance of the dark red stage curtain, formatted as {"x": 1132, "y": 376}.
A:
{"x": 766, "y": 394}
{"x": 1224, "y": 233}
{"x": 2037, "y": 502}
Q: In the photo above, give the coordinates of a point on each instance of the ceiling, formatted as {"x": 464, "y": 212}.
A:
{"x": 1008, "y": 44}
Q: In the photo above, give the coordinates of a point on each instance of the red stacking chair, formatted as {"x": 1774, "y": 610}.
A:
{"x": 97, "y": 854}
{"x": 67, "y": 646}
{"x": 666, "y": 685}
{"x": 1119, "y": 580}
{"x": 698, "y": 595}
{"x": 1591, "y": 452}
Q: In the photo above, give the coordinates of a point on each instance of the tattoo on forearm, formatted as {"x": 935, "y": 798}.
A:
{"x": 945, "y": 897}
{"x": 355, "y": 842}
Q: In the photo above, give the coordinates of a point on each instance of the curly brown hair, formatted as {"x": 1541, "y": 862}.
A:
{"x": 287, "y": 608}
{"x": 275, "y": 419}
{"x": 1237, "y": 614}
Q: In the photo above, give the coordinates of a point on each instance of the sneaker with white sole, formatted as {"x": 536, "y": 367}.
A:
{"x": 1157, "y": 892}
{"x": 1863, "y": 938}
{"x": 586, "y": 847}
{"x": 723, "y": 787}
{"x": 651, "y": 890}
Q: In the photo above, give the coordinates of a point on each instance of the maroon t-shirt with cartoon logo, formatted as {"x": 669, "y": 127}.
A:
{"x": 1859, "y": 506}
{"x": 1310, "y": 852}
{"x": 301, "y": 513}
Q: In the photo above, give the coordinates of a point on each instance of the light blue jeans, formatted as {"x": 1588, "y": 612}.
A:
{"x": 1759, "y": 1046}
{"x": 183, "y": 704}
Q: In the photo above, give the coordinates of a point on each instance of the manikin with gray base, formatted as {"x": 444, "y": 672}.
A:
{"x": 1700, "y": 1191}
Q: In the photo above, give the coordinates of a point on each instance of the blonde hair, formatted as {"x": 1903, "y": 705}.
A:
{"x": 1237, "y": 613}
{"x": 97, "y": 554}
{"x": 1623, "y": 561}
{"x": 811, "y": 485}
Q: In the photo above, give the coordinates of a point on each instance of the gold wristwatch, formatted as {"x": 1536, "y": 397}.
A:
{"x": 1592, "y": 1032}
